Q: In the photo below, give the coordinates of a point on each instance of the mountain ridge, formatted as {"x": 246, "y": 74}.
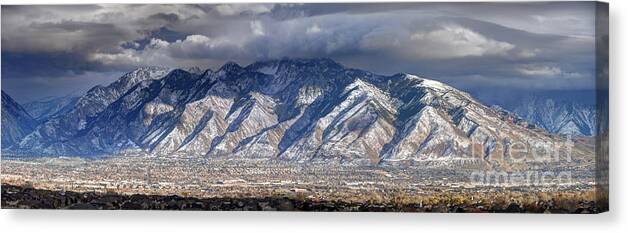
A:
{"x": 559, "y": 117}
{"x": 304, "y": 110}
{"x": 43, "y": 109}
{"x": 16, "y": 122}
{"x": 570, "y": 113}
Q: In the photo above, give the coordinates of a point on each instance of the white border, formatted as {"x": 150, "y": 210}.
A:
{"x": 163, "y": 221}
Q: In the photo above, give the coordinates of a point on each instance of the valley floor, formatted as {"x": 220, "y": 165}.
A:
{"x": 143, "y": 182}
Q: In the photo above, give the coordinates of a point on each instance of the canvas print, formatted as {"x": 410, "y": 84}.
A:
{"x": 404, "y": 107}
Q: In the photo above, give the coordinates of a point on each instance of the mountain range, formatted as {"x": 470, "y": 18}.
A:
{"x": 43, "y": 109}
{"x": 563, "y": 112}
{"x": 305, "y": 110}
{"x": 559, "y": 116}
{"x": 16, "y": 122}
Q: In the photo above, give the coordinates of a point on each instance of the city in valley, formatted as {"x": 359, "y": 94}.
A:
{"x": 337, "y": 187}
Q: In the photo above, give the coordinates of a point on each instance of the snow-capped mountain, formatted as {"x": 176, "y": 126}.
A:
{"x": 46, "y": 108}
{"x": 292, "y": 109}
{"x": 564, "y": 112}
{"x": 51, "y": 136}
{"x": 16, "y": 122}
{"x": 559, "y": 116}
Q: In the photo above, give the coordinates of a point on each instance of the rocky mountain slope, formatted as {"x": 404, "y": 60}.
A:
{"x": 42, "y": 110}
{"x": 306, "y": 110}
{"x": 563, "y": 112}
{"x": 52, "y": 136}
{"x": 16, "y": 122}
{"x": 559, "y": 117}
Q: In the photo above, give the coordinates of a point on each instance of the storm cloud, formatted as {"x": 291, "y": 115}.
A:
{"x": 469, "y": 45}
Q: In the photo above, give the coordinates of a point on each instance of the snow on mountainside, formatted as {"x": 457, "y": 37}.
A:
{"x": 50, "y": 136}
{"x": 564, "y": 112}
{"x": 16, "y": 122}
{"x": 46, "y": 108}
{"x": 559, "y": 117}
{"x": 306, "y": 110}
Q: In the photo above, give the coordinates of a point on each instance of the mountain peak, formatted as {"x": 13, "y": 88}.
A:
{"x": 16, "y": 122}
{"x": 193, "y": 70}
{"x": 142, "y": 73}
{"x": 426, "y": 82}
{"x": 148, "y": 69}
{"x": 327, "y": 62}
{"x": 276, "y": 65}
{"x": 230, "y": 66}
{"x": 407, "y": 76}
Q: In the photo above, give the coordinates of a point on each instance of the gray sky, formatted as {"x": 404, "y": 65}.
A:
{"x": 56, "y": 50}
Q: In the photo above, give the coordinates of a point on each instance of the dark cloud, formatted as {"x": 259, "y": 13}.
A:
{"x": 470, "y": 45}
{"x": 17, "y": 65}
{"x": 170, "y": 18}
{"x": 72, "y": 26}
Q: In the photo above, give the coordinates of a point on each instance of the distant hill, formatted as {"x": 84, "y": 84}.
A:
{"x": 45, "y": 108}
{"x": 16, "y": 122}
{"x": 562, "y": 112}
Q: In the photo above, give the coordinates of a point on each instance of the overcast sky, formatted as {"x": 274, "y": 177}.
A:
{"x": 56, "y": 50}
